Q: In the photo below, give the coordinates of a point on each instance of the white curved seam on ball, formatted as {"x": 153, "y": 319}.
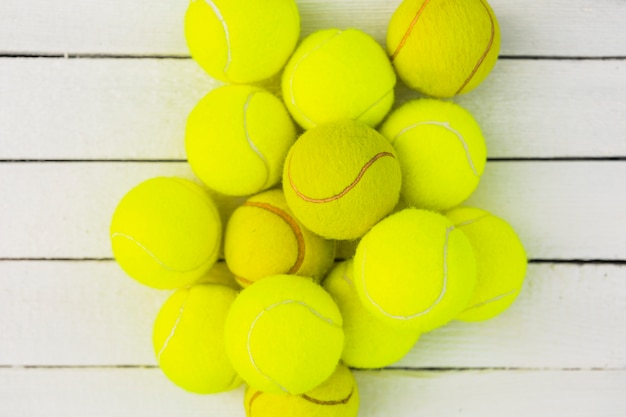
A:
{"x": 157, "y": 260}
{"x": 374, "y": 104}
{"x": 269, "y": 308}
{"x": 451, "y": 129}
{"x": 291, "y": 94}
{"x": 444, "y": 287}
{"x": 254, "y": 148}
{"x": 220, "y": 17}
{"x": 471, "y": 221}
{"x": 169, "y": 336}
{"x": 491, "y": 300}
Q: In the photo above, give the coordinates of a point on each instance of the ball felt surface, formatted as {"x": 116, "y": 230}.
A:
{"x": 341, "y": 178}
{"x": 188, "y": 339}
{"x": 283, "y": 334}
{"x": 500, "y": 262}
{"x": 443, "y": 47}
{"x": 263, "y": 239}
{"x": 166, "y": 232}
{"x": 370, "y": 341}
{"x": 240, "y": 41}
{"x": 338, "y": 74}
{"x": 220, "y": 274}
{"x": 415, "y": 269}
{"x": 441, "y": 151}
{"x": 237, "y": 138}
{"x": 338, "y": 396}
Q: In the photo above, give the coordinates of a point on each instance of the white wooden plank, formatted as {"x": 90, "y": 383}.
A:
{"x": 145, "y": 392}
{"x": 562, "y": 210}
{"x": 536, "y": 27}
{"x": 90, "y": 313}
{"x": 128, "y": 108}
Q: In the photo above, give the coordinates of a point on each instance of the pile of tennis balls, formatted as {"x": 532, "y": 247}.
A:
{"x": 281, "y": 203}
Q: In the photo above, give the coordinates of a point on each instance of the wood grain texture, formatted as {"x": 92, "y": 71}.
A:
{"x": 562, "y": 210}
{"x": 137, "y": 109}
{"x": 146, "y": 393}
{"x": 91, "y": 313}
{"x": 536, "y": 27}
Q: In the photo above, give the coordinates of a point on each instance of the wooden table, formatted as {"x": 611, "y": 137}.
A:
{"x": 93, "y": 99}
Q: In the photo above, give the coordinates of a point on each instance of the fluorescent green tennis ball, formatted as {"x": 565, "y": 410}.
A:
{"x": 220, "y": 274}
{"x": 263, "y": 239}
{"x": 415, "y": 269}
{"x": 500, "y": 262}
{"x": 237, "y": 138}
{"x": 338, "y": 74}
{"x": 370, "y": 341}
{"x": 341, "y": 178}
{"x": 166, "y": 232}
{"x": 283, "y": 334}
{"x": 188, "y": 339}
{"x": 241, "y": 41}
{"x": 441, "y": 151}
{"x": 338, "y": 396}
{"x": 443, "y": 47}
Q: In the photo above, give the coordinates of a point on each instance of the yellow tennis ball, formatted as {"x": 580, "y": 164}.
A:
{"x": 341, "y": 178}
{"x": 237, "y": 138}
{"x": 441, "y": 151}
{"x": 263, "y": 239}
{"x": 166, "y": 232}
{"x": 415, "y": 269}
{"x": 338, "y": 74}
{"x": 240, "y": 41}
{"x": 443, "y": 47}
{"x": 370, "y": 341}
{"x": 283, "y": 334}
{"x": 338, "y": 396}
{"x": 221, "y": 275}
{"x": 188, "y": 339}
{"x": 500, "y": 262}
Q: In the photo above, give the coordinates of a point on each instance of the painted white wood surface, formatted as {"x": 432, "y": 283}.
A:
{"x": 137, "y": 109}
{"x": 537, "y": 27}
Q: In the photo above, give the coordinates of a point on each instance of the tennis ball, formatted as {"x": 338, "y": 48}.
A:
{"x": 338, "y": 74}
{"x": 166, "y": 232}
{"x": 188, "y": 339}
{"x": 220, "y": 274}
{"x": 338, "y": 396}
{"x": 283, "y": 334}
{"x": 500, "y": 262}
{"x": 237, "y": 138}
{"x": 443, "y": 47}
{"x": 240, "y": 41}
{"x": 441, "y": 151}
{"x": 370, "y": 341}
{"x": 341, "y": 178}
{"x": 415, "y": 269}
{"x": 263, "y": 239}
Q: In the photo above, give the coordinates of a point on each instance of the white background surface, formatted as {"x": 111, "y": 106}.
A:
{"x": 93, "y": 99}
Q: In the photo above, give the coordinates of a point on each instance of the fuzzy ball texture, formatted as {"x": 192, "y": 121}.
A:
{"x": 237, "y": 138}
{"x": 338, "y": 396}
{"x": 500, "y": 262}
{"x": 284, "y": 335}
{"x": 338, "y": 74}
{"x": 341, "y": 178}
{"x": 370, "y": 341}
{"x": 166, "y": 232}
{"x": 263, "y": 239}
{"x": 443, "y": 47}
{"x": 220, "y": 274}
{"x": 241, "y": 41}
{"x": 415, "y": 269}
{"x": 188, "y": 339}
{"x": 441, "y": 151}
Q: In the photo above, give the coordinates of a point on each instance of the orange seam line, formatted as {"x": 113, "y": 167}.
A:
{"x": 254, "y": 397}
{"x": 345, "y": 190}
{"x": 243, "y": 280}
{"x": 291, "y": 223}
{"x": 484, "y": 55}
{"x": 409, "y": 30}
{"x": 328, "y": 402}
